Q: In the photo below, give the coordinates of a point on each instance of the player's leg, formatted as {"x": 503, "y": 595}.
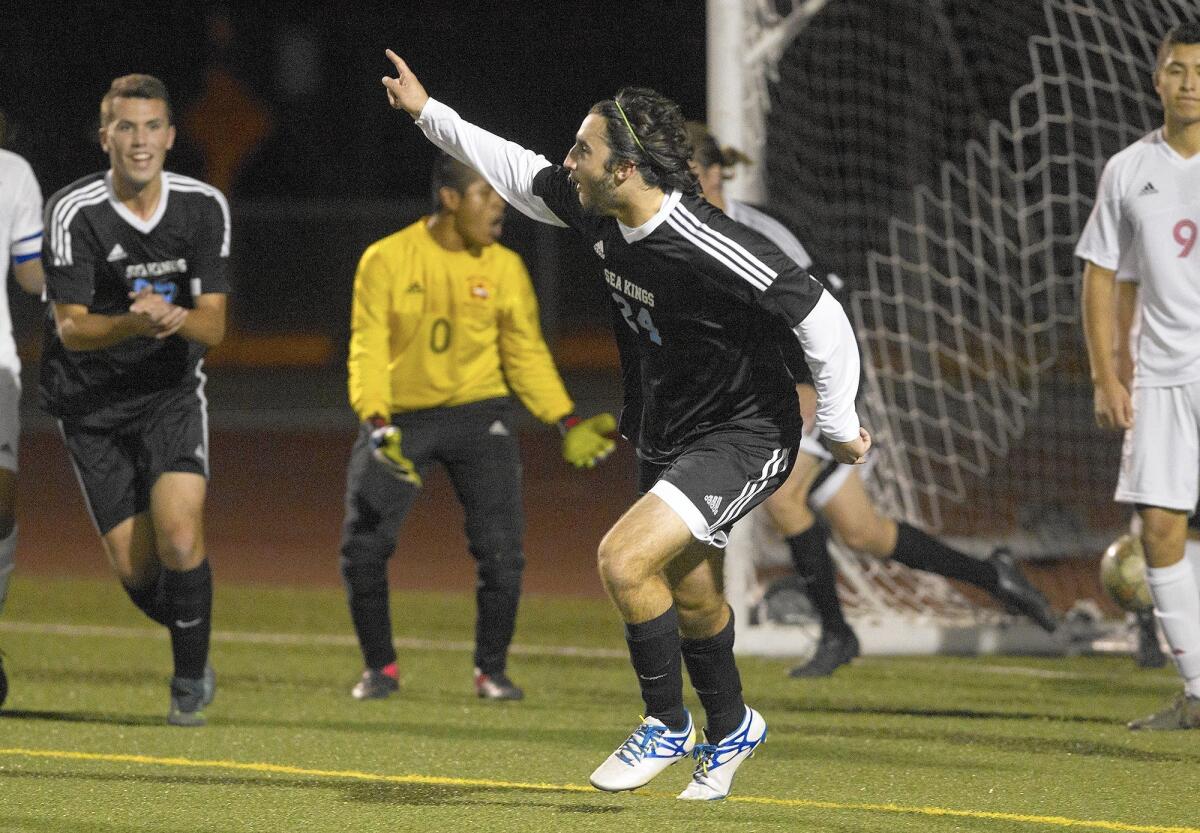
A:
{"x": 8, "y": 546}
{"x": 807, "y": 537}
{"x": 862, "y": 528}
{"x": 1160, "y": 467}
{"x": 376, "y": 504}
{"x": 483, "y": 461}
{"x": 696, "y": 498}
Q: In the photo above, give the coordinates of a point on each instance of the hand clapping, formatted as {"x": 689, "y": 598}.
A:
{"x": 159, "y": 316}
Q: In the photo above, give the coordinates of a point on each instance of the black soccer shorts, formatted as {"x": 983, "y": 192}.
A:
{"x": 720, "y": 478}
{"x": 117, "y": 467}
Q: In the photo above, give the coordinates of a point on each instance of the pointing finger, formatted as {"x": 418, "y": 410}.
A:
{"x": 397, "y": 62}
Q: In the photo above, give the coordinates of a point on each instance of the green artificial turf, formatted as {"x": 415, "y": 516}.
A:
{"x": 887, "y": 744}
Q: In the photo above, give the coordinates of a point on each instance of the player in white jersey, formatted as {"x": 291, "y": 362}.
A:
{"x": 20, "y": 245}
{"x": 1144, "y": 229}
{"x": 819, "y": 484}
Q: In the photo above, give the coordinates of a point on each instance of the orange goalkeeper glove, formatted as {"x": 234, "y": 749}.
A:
{"x": 385, "y": 448}
{"x": 584, "y": 440}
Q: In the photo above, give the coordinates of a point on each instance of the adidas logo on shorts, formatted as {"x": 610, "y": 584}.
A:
{"x": 714, "y": 502}
{"x": 498, "y": 429}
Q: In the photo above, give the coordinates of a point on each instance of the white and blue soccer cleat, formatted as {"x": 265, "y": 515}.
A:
{"x": 717, "y": 763}
{"x": 648, "y": 751}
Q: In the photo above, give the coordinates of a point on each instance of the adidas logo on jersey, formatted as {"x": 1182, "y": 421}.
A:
{"x": 714, "y": 502}
{"x": 415, "y": 288}
{"x": 117, "y": 253}
{"x": 1148, "y": 189}
{"x": 498, "y": 429}
{"x": 599, "y": 249}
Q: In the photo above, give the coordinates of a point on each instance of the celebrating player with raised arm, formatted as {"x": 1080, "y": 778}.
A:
{"x": 1143, "y": 229}
{"x": 135, "y": 273}
{"x": 698, "y": 305}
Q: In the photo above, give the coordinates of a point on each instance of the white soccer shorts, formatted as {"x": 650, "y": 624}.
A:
{"x": 1160, "y": 459}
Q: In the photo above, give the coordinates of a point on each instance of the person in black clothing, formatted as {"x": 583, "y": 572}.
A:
{"x": 699, "y": 304}
{"x": 135, "y": 261}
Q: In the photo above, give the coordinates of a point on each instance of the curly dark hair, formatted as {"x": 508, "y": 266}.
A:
{"x": 1188, "y": 32}
{"x": 654, "y": 139}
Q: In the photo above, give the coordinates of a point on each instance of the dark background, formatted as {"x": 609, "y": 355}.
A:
{"x": 335, "y": 168}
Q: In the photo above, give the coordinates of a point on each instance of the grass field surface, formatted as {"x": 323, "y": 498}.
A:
{"x": 895, "y": 744}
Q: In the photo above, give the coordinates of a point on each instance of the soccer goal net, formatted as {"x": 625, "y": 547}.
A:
{"x": 942, "y": 157}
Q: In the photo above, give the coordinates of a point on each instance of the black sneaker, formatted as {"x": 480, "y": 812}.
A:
{"x": 187, "y": 702}
{"x": 1148, "y": 653}
{"x": 1015, "y": 592}
{"x": 496, "y": 686}
{"x": 374, "y": 685}
{"x": 836, "y": 648}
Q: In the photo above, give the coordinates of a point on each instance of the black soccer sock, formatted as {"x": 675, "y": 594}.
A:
{"x": 187, "y": 599}
{"x": 148, "y": 596}
{"x": 922, "y": 552}
{"x": 814, "y": 565}
{"x": 367, "y": 593}
{"x": 715, "y": 677}
{"x": 654, "y": 652}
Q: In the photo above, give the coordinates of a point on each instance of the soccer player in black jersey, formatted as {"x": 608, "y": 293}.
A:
{"x": 699, "y": 303}
{"x": 135, "y": 261}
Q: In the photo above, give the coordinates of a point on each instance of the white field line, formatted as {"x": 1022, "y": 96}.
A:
{"x": 300, "y": 640}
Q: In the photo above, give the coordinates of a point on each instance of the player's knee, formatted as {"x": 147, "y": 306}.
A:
{"x": 502, "y": 570}
{"x": 178, "y": 545}
{"x": 619, "y": 567}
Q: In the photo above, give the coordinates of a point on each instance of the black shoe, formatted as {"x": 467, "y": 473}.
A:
{"x": 1148, "y": 653}
{"x": 374, "y": 685}
{"x": 835, "y": 648}
{"x": 496, "y": 686}
{"x": 187, "y": 702}
{"x": 1015, "y": 592}
{"x": 3, "y": 682}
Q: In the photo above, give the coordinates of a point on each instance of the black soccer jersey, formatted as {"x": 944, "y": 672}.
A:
{"x": 701, "y": 304}
{"x": 95, "y": 253}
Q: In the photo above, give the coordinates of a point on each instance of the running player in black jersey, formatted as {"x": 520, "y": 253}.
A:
{"x": 135, "y": 261}
{"x": 699, "y": 303}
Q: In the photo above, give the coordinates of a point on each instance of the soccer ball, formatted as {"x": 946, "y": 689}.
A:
{"x": 1123, "y": 574}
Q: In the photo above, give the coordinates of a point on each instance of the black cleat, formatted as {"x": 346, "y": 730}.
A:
{"x": 1148, "y": 653}
{"x": 496, "y": 686}
{"x": 374, "y": 685}
{"x": 835, "y": 648}
{"x": 1017, "y": 595}
{"x": 187, "y": 702}
{"x": 3, "y": 682}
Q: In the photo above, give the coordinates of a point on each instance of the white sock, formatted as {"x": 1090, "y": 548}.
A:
{"x": 1191, "y": 552}
{"x": 1177, "y": 606}
{"x": 8, "y": 547}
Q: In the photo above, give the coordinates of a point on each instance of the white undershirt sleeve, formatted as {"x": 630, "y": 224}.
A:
{"x": 832, "y": 355}
{"x": 508, "y": 167}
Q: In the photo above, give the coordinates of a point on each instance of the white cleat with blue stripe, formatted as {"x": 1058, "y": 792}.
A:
{"x": 717, "y": 763}
{"x": 648, "y": 751}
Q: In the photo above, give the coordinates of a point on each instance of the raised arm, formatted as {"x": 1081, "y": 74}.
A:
{"x": 508, "y": 167}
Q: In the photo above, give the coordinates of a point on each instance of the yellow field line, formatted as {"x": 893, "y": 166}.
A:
{"x": 443, "y": 781}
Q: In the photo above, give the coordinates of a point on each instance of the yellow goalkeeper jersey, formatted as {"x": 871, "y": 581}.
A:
{"x": 433, "y": 328}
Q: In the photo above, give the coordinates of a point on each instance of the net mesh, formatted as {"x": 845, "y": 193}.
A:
{"x": 943, "y": 157}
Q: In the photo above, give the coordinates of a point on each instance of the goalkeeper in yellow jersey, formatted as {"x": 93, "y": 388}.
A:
{"x": 444, "y": 329}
